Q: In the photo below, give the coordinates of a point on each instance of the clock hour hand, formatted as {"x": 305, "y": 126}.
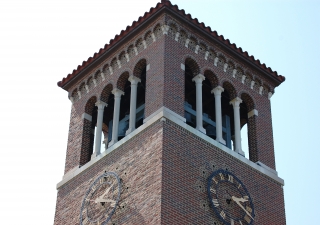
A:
{"x": 113, "y": 203}
{"x": 238, "y": 200}
{"x": 101, "y": 197}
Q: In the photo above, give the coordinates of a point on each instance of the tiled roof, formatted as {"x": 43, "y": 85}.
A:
{"x": 167, "y": 3}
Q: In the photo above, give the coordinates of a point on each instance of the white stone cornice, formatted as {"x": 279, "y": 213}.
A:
{"x": 71, "y": 99}
{"x": 148, "y": 67}
{"x": 270, "y": 95}
{"x": 87, "y": 88}
{"x": 165, "y": 29}
{"x": 94, "y": 82}
{"x": 111, "y": 70}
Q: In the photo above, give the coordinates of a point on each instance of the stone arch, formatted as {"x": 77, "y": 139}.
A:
{"x": 139, "y": 45}
{"x": 157, "y": 30}
{"x": 183, "y": 37}
{"x": 131, "y": 52}
{"x": 82, "y": 89}
{"x": 192, "y": 67}
{"x": 202, "y": 48}
{"x": 122, "y": 58}
{"x": 230, "y": 89}
{"x": 114, "y": 64}
{"x": 106, "y": 92}
{"x": 173, "y": 29}
{"x": 212, "y": 55}
{"x": 122, "y": 80}
{"x": 192, "y": 43}
{"x": 98, "y": 77}
{"x": 148, "y": 38}
{"x": 212, "y": 78}
{"x": 139, "y": 67}
{"x": 90, "y": 83}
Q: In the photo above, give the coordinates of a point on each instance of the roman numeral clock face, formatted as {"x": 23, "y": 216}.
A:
{"x": 230, "y": 199}
{"x": 101, "y": 200}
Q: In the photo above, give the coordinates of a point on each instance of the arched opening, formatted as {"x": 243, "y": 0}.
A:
{"x": 88, "y": 131}
{"x": 191, "y": 70}
{"x": 227, "y": 95}
{"x": 140, "y": 71}
{"x": 107, "y": 97}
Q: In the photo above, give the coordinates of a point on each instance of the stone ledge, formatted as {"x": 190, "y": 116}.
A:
{"x": 166, "y": 113}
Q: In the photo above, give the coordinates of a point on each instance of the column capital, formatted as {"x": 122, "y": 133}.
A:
{"x": 100, "y": 104}
{"x": 117, "y": 92}
{"x": 236, "y": 101}
{"x": 217, "y": 90}
{"x": 134, "y": 80}
{"x": 199, "y": 78}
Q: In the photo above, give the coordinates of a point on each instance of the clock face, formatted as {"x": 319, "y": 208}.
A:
{"x": 101, "y": 200}
{"x": 230, "y": 199}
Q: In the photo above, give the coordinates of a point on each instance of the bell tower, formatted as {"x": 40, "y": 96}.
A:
{"x": 155, "y": 130}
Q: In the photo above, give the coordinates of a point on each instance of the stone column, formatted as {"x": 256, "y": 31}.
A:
{"x": 237, "y": 134}
{"x": 116, "y": 112}
{"x": 217, "y": 97}
{"x": 133, "y": 103}
{"x": 97, "y": 141}
{"x": 198, "y": 80}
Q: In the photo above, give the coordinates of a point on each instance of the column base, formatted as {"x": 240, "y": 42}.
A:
{"x": 220, "y": 140}
{"x": 201, "y": 129}
{"x": 112, "y": 142}
{"x": 129, "y": 131}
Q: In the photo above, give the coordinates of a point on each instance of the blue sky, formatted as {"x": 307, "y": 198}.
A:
{"x": 43, "y": 41}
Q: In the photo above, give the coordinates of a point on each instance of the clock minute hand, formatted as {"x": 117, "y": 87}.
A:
{"x": 238, "y": 200}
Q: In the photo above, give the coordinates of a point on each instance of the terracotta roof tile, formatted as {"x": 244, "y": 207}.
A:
{"x": 167, "y": 3}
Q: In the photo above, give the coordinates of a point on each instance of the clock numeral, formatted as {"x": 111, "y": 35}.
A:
{"x": 221, "y": 176}
{"x": 239, "y": 186}
{"x": 102, "y": 180}
{"x": 93, "y": 188}
{"x": 214, "y": 180}
{"x": 87, "y": 200}
{"x": 248, "y": 209}
{"x": 215, "y": 202}
{"x": 231, "y": 221}
{"x": 230, "y": 178}
{"x": 213, "y": 191}
{"x": 247, "y": 218}
{"x": 222, "y": 214}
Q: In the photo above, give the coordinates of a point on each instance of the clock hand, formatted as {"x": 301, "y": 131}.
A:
{"x": 101, "y": 197}
{"x": 113, "y": 203}
{"x": 238, "y": 200}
